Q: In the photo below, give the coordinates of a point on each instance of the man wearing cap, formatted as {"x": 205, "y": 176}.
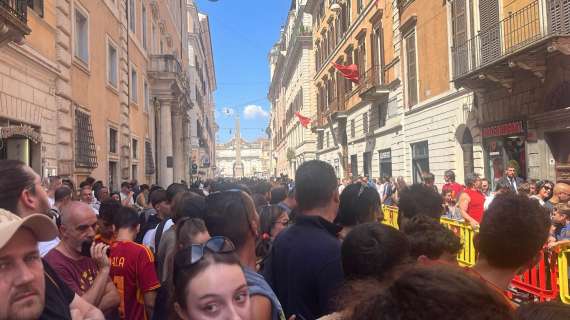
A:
{"x": 21, "y": 193}
{"x": 22, "y": 283}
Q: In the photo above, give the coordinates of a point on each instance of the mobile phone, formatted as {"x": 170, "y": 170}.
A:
{"x": 86, "y": 249}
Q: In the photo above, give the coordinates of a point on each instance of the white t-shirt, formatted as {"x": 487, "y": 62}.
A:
{"x": 46, "y": 246}
{"x": 148, "y": 239}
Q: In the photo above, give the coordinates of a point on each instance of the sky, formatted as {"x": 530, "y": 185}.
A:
{"x": 243, "y": 32}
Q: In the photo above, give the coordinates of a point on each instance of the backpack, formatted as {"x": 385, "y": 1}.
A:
{"x": 148, "y": 221}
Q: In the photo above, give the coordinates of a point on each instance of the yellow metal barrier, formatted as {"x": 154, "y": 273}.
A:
{"x": 563, "y": 280}
{"x": 467, "y": 256}
{"x": 390, "y": 216}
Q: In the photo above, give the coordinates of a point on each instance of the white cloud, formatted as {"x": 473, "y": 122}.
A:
{"x": 228, "y": 111}
{"x": 253, "y": 111}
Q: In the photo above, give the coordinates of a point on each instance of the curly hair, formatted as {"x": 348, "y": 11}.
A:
{"x": 513, "y": 230}
{"x": 429, "y": 238}
{"x": 419, "y": 199}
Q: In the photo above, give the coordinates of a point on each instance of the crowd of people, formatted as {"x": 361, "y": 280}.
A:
{"x": 308, "y": 248}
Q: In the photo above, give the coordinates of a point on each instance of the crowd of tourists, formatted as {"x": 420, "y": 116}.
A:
{"x": 308, "y": 248}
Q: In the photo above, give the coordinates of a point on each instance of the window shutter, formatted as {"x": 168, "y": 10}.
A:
{"x": 85, "y": 155}
{"x": 412, "y": 82}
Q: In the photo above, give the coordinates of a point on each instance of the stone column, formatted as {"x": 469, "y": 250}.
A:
{"x": 186, "y": 147}
{"x": 177, "y": 138}
{"x": 165, "y": 173}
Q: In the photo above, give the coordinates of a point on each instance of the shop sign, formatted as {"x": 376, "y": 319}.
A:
{"x": 504, "y": 129}
{"x": 25, "y": 131}
{"x": 385, "y": 155}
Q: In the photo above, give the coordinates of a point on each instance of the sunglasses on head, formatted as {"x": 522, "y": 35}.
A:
{"x": 194, "y": 253}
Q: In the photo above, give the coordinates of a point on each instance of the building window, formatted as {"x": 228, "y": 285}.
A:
{"x": 411, "y": 70}
{"x": 328, "y": 139}
{"x": 37, "y": 6}
{"x": 146, "y": 96}
{"x": 320, "y": 138}
{"x": 153, "y": 40}
{"x": 113, "y": 139}
{"x": 420, "y": 160}
{"x": 135, "y": 148}
{"x": 367, "y": 163}
{"x": 352, "y": 129}
{"x": 134, "y": 85}
{"x": 144, "y": 33}
{"x": 132, "y": 16}
{"x": 385, "y": 157}
{"x": 113, "y": 175}
{"x": 85, "y": 156}
{"x": 365, "y": 123}
{"x": 354, "y": 165}
{"x": 134, "y": 172}
{"x": 149, "y": 159}
{"x": 81, "y": 36}
{"x": 112, "y": 64}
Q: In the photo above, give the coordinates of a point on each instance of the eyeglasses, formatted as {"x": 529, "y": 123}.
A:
{"x": 188, "y": 256}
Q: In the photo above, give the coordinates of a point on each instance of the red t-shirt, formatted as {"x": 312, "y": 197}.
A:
{"x": 455, "y": 188}
{"x": 79, "y": 275}
{"x": 475, "y": 208}
{"x": 133, "y": 272}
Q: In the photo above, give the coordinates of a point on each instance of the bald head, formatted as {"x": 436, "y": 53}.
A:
{"x": 78, "y": 225}
{"x": 76, "y": 211}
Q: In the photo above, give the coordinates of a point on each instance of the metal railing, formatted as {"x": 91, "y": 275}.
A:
{"x": 17, "y": 8}
{"x": 535, "y": 22}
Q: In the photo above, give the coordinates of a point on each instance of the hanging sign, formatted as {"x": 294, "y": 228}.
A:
{"x": 504, "y": 129}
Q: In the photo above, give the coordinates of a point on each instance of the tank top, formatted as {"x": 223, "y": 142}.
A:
{"x": 475, "y": 208}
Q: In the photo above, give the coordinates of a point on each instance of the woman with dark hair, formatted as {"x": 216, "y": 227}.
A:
{"x": 359, "y": 203}
{"x": 544, "y": 192}
{"x": 210, "y": 283}
{"x": 371, "y": 253}
{"x": 272, "y": 220}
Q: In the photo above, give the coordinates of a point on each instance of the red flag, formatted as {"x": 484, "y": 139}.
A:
{"x": 304, "y": 120}
{"x": 350, "y": 72}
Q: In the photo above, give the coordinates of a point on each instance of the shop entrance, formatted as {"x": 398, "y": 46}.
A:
{"x": 560, "y": 148}
{"x": 19, "y": 142}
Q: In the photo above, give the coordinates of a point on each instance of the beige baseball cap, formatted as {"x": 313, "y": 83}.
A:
{"x": 41, "y": 226}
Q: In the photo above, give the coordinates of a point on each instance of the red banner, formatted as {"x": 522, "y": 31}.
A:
{"x": 304, "y": 120}
{"x": 349, "y": 72}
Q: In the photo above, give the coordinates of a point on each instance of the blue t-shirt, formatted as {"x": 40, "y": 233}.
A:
{"x": 258, "y": 286}
{"x": 564, "y": 233}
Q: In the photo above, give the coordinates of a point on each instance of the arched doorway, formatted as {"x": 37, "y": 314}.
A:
{"x": 467, "y": 147}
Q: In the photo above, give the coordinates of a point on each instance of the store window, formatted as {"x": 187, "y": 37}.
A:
{"x": 505, "y": 145}
{"x": 385, "y": 157}
{"x": 420, "y": 160}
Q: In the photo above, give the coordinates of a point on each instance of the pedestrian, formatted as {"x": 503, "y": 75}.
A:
{"x": 273, "y": 220}
{"x": 419, "y": 199}
{"x": 20, "y": 190}
{"x": 442, "y": 292}
{"x": 207, "y": 271}
{"x": 86, "y": 196}
{"x": 388, "y": 191}
{"x": 450, "y": 184}
{"x": 132, "y": 268}
{"x": 429, "y": 180}
{"x": 127, "y": 195}
{"x": 431, "y": 242}
{"x": 471, "y": 201}
{"x": 105, "y": 221}
{"x": 289, "y": 204}
{"x": 86, "y": 273}
{"x": 500, "y": 188}
{"x": 22, "y": 285}
{"x": 485, "y": 187}
{"x": 498, "y": 260}
{"x": 159, "y": 203}
{"x": 450, "y": 205}
{"x": 560, "y": 193}
{"x": 231, "y": 214}
{"x": 305, "y": 265}
{"x": 371, "y": 253}
{"x": 511, "y": 179}
{"x": 359, "y": 204}
{"x": 54, "y": 182}
{"x": 544, "y": 188}
{"x": 560, "y": 230}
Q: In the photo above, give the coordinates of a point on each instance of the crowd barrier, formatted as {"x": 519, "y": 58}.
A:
{"x": 544, "y": 282}
{"x": 390, "y": 216}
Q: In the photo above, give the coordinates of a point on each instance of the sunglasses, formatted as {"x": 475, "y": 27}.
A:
{"x": 189, "y": 256}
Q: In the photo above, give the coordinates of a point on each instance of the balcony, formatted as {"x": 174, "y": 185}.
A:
{"x": 13, "y": 20}
{"x": 375, "y": 83}
{"x": 333, "y": 109}
{"x": 513, "y": 42}
{"x": 169, "y": 77}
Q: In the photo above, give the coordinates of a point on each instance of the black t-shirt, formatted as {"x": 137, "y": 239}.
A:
{"x": 58, "y": 296}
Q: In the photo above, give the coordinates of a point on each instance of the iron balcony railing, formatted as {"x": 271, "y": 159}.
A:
{"x": 539, "y": 20}
{"x": 17, "y": 8}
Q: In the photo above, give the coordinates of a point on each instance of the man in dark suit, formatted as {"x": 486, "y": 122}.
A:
{"x": 511, "y": 179}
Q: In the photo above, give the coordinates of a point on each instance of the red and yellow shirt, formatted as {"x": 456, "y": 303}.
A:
{"x": 133, "y": 273}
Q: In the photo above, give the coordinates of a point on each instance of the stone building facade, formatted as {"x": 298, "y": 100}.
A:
{"x": 255, "y": 158}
